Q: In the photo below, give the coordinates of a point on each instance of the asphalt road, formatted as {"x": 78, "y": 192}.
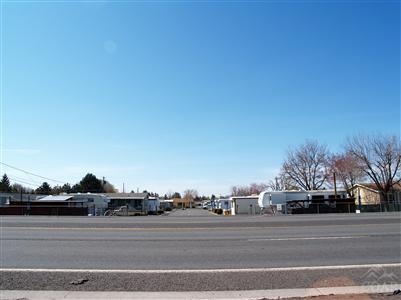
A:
{"x": 221, "y": 253}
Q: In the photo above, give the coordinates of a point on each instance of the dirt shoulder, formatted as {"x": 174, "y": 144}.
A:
{"x": 388, "y": 296}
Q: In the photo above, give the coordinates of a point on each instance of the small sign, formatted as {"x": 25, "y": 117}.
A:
{"x": 279, "y": 207}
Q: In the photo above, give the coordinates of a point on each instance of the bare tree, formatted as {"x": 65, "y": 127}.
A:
{"x": 347, "y": 170}
{"x": 239, "y": 190}
{"x": 257, "y": 188}
{"x": 252, "y": 189}
{"x": 281, "y": 183}
{"x": 190, "y": 194}
{"x": 380, "y": 159}
{"x": 18, "y": 188}
{"x": 306, "y": 166}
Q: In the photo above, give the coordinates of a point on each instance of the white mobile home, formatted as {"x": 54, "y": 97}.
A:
{"x": 96, "y": 203}
{"x": 303, "y": 199}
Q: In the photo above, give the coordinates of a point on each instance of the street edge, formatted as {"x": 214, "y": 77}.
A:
{"x": 221, "y": 295}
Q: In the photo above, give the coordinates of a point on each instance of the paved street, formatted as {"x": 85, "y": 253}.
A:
{"x": 195, "y": 250}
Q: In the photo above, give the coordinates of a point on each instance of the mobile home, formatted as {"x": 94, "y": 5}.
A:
{"x": 317, "y": 201}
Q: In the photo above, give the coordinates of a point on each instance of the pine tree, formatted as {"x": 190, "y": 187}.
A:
{"x": 5, "y": 185}
{"x": 44, "y": 189}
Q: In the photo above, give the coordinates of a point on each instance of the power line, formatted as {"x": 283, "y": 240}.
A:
{"x": 30, "y": 173}
{"x": 15, "y": 177}
{"x": 24, "y": 182}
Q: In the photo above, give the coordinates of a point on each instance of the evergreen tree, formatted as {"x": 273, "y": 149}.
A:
{"x": 66, "y": 188}
{"x": 176, "y": 195}
{"x": 90, "y": 184}
{"x": 44, "y": 189}
{"x": 76, "y": 188}
{"x": 5, "y": 185}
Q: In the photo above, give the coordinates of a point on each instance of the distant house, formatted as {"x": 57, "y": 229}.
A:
{"x": 135, "y": 203}
{"x": 367, "y": 194}
{"x": 371, "y": 199}
{"x": 183, "y": 203}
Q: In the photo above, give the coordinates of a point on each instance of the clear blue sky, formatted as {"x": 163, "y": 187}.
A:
{"x": 171, "y": 95}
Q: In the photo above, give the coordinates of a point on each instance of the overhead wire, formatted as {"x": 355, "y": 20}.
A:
{"x": 32, "y": 181}
{"x": 24, "y": 182}
{"x": 30, "y": 173}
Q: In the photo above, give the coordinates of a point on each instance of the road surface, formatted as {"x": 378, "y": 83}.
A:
{"x": 191, "y": 250}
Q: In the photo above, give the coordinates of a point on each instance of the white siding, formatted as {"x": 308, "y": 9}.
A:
{"x": 245, "y": 205}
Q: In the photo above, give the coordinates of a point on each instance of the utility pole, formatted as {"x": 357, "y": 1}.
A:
{"x": 335, "y": 185}
{"x": 22, "y": 207}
